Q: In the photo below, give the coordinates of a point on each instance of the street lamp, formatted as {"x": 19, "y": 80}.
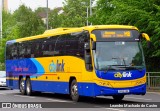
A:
{"x": 87, "y": 15}
{"x": 1, "y": 5}
{"x": 91, "y": 9}
{"x": 47, "y": 16}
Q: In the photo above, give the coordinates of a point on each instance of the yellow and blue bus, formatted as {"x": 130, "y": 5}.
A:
{"x": 102, "y": 60}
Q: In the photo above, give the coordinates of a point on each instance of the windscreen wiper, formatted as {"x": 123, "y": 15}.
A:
{"x": 132, "y": 67}
{"x": 110, "y": 68}
{"x": 122, "y": 59}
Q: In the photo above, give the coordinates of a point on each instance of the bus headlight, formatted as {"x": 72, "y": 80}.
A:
{"x": 140, "y": 82}
{"x": 105, "y": 84}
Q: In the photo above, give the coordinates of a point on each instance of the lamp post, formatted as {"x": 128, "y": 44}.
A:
{"x": 1, "y": 20}
{"x": 87, "y": 15}
{"x": 91, "y": 9}
{"x": 47, "y": 16}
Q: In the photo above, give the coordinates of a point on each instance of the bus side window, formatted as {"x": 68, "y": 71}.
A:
{"x": 28, "y": 50}
{"x": 32, "y": 49}
{"x": 81, "y": 46}
{"x": 37, "y": 47}
{"x": 8, "y": 51}
{"x": 14, "y": 51}
{"x": 21, "y": 50}
{"x": 59, "y": 49}
{"x": 72, "y": 45}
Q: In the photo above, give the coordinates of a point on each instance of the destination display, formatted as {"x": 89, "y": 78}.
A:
{"x": 116, "y": 34}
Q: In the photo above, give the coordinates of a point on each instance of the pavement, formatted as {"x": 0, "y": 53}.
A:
{"x": 59, "y": 102}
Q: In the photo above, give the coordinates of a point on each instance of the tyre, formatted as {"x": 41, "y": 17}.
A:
{"x": 74, "y": 91}
{"x": 28, "y": 87}
{"x": 118, "y": 97}
{"x": 22, "y": 86}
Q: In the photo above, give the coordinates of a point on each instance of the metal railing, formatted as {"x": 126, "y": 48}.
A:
{"x": 153, "y": 80}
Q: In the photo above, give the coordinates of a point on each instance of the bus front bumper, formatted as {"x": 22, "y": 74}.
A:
{"x": 106, "y": 91}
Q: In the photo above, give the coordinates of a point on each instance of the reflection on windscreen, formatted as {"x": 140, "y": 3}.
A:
{"x": 118, "y": 54}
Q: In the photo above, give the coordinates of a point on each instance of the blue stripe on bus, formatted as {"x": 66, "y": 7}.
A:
{"x": 84, "y": 89}
{"x": 40, "y": 69}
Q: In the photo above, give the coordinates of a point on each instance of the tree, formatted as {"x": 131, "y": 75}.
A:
{"x": 75, "y": 13}
{"x": 28, "y": 22}
{"x": 55, "y": 19}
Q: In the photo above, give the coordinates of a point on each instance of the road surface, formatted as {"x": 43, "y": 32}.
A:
{"x": 60, "y": 102}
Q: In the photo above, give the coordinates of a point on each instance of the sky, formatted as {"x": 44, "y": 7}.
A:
{"x": 33, "y": 4}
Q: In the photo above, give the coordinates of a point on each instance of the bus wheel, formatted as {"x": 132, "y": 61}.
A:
{"x": 28, "y": 87}
{"x": 118, "y": 97}
{"x": 22, "y": 86}
{"x": 74, "y": 91}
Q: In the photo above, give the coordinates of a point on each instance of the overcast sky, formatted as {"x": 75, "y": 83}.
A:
{"x": 33, "y": 4}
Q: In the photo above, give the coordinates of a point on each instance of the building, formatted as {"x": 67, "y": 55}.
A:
{"x": 5, "y": 4}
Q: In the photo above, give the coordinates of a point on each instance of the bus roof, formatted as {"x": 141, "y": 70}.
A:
{"x": 59, "y": 31}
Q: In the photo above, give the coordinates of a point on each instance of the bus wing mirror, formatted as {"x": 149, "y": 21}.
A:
{"x": 93, "y": 45}
{"x": 149, "y": 44}
{"x": 144, "y": 35}
{"x": 86, "y": 46}
{"x": 87, "y": 59}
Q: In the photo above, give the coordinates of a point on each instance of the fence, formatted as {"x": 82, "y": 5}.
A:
{"x": 153, "y": 80}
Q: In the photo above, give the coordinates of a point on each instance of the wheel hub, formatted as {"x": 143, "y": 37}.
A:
{"x": 74, "y": 90}
{"x": 22, "y": 85}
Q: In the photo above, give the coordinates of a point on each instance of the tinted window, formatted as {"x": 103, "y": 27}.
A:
{"x": 60, "y": 48}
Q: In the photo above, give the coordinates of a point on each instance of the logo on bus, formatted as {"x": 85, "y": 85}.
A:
{"x": 124, "y": 74}
{"x": 56, "y": 67}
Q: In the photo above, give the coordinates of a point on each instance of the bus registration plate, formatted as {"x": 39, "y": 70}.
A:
{"x": 123, "y": 91}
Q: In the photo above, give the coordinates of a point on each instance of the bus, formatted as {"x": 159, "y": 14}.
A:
{"x": 100, "y": 60}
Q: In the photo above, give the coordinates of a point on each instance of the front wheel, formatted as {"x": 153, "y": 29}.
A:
{"x": 74, "y": 91}
{"x": 118, "y": 97}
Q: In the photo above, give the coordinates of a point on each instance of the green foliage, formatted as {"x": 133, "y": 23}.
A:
{"x": 75, "y": 13}
{"x": 55, "y": 19}
{"x": 28, "y": 20}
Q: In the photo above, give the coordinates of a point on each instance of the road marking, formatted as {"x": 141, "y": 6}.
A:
{"x": 154, "y": 93}
{"x": 139, "y": 98}
{"x": 2, "y": 93}
{"x": 24, "y": 96}
{"x": 56, "y": 100}
{"x": 114, "y": 109}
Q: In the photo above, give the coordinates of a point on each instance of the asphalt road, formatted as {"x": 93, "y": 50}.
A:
{"x": 63, "y": 102}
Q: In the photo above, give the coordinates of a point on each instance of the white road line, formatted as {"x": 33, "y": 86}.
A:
{"x": 56, "y": 100}
{"x": 24, "y": 96}
{"x": 139, "y": 98}
{"x": 2, "y": 93}
{"x": 114, "y": 109}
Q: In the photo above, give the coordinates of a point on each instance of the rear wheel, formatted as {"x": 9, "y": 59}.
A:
{"x": 28, "y": 87}
{"x": 22, "y": 86}
{"x": 74, "y": 91}
{"x": 118, "y": 97}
